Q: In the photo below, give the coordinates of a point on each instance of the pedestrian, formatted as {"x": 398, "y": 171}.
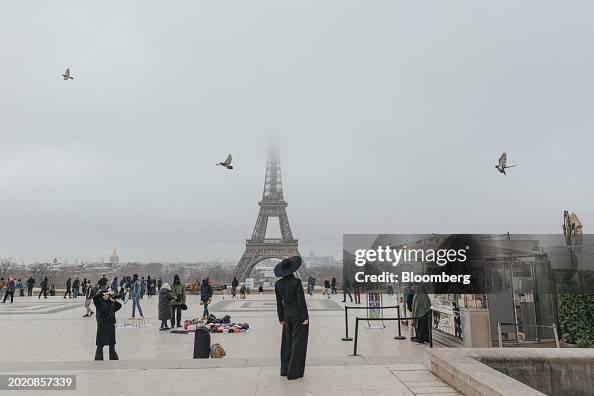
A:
{"x": 10, "y": 287}
{"x": 76, "y": 287}
{"x": 326, "y": 288}
{"x": 293, "y": 317}
{"x": 178, "y": 289}
{"x": 30, "y": 284}
{"x": 106, "y": 306}
{"x": 311, "y": 283}
{"x": 43, "y": 288}
{"x": 3, "y": 284}
{"x": 242, "y": 291}
{"x": 421, "y": 311}
{"x": 357, "y": 293}
{"x": 19, "y": 286}
{"x": 89, "y": 295}
{"x": 149, "y": 286}
{"x": 165, "y": 298}
{"x": 68, "y": 288}
{"x": 159, "y": 284}
{"x": 84, "y": 287}
{"x": 135, "y": 294}
{"x": 103, "y": 282}
{"x": 52, "y": 290}
{"x": 114, "y": 285}
{"x": 261, "y": 288}
{"x": 234, "y": 284}
{"x": 205, "y": 296}
{"x": 346, "y": 289}
{"x": 143, "y": 284}
{"x": 333, "y": 285}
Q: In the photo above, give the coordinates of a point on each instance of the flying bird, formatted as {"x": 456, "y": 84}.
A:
{"x": 227, "y": 163}
{"x": 67, "y": 76}
{"x": 503, "y": 164}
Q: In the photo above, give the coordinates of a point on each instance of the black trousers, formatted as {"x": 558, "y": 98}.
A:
{"x": 44, "y": 292}
{"x": 30, "y": 291}
{"x": 6, "y": 296}
{"x": 174, "y": 309}
{"x": 344, "y": 294}
{"x": 294, "y": 348}
{"x": 112, "y": 353}
{"x": 422, "y": 328}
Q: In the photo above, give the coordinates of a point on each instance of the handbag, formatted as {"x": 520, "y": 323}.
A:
{"x": 184, "y": 307}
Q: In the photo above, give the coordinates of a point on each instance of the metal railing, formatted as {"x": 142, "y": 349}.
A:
{"x": 499, "y": 324}
{"x": 429, "y": 322}
{"x": 346, "y": 319}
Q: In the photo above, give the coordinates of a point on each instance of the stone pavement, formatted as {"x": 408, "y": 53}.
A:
{"x": 51, "y": 337}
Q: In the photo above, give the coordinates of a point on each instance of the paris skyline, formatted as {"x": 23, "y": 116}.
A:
{"x": 376, "y": 134}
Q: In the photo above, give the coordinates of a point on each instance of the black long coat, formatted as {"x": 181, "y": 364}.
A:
{"x": 292, "y": 310}
{"x": 106, "y": 320}
{"x": 165, "y": 298}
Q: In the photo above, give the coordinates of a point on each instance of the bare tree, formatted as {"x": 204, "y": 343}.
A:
{"x": 7, "y": 265}
{"x": 41, "y": 270}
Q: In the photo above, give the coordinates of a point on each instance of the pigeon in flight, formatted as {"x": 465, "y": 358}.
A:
{"x": 67, "y": 76}
{"x": 227, "y": 163}
{"x": 503, "y": 164}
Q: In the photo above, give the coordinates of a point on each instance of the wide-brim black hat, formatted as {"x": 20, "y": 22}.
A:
{"x": 287, "y": 266}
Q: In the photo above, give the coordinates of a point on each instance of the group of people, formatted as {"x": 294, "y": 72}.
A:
{"x": 242, "y": 289}
{"x": 8, "y": 287}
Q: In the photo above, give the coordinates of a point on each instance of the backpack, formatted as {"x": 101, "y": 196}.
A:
{"x": 217, "y": 351}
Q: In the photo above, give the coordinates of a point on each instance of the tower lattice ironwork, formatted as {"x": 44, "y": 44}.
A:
{"x": 273, "y": 204}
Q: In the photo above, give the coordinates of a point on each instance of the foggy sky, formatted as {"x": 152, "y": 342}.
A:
{"x": 390, "y": 117}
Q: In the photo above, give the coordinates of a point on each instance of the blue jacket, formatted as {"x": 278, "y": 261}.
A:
{"x": 136, "y": 291}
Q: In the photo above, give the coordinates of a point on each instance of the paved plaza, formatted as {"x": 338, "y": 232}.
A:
{"x": 51, "y": 337}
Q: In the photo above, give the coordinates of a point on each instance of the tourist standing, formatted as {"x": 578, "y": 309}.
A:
{"x": 165, "y": 299}
{"x": 136, "y": 294}
{"x": 43, "y": 288}
{"x": 159, "y": 284}
{"x": 149, "y": 286}
{"x": 234, "y": 284}
{"x": 346, "y": 289}
{"x": 84, "y": 287}
{"x": 76, "y": 287}
{"x": 311, "y": 283}
{"x": 326, "y": 287}
{"x": 114, "y": 285}
{"x": 106, "y": 307}
{"x": 293, "y": 316}
{"x": 333, "y": 285}
{"x": 205, "y": 296}
{"x": 421, "y": 309}
{"x": 178, "y": 290}
{"x": 357, "y": 293}
{"x": 91, "y": 292}
{"x": 103, "y": 282}
{"x": 19, "y": 286}
{"x": 30, "y": 284}
{"x": 2, "y": 287}
{"x": 10, "y": 287}
{"x": 68, "y": 288}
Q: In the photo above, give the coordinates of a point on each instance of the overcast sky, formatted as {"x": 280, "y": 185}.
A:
{"x": 390, "y": 117}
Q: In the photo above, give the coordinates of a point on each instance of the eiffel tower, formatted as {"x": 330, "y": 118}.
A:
{"x": 273, "y": 204}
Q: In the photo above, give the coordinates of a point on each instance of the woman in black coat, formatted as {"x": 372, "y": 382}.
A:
{"x": 205, "y": 296}
{"x": 293, "y": 316}
{"x": 106, "y": 307}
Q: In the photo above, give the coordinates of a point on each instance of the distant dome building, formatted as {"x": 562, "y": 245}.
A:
{"x": 114, "y": 260}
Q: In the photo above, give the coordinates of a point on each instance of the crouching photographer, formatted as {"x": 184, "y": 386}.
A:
{"x": 106, "y": 307}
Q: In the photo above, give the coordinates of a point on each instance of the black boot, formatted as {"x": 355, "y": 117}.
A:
{"x": 112, "y": 353}
{"x": 99, "y": 353}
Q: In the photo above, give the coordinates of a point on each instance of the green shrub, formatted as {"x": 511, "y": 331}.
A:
{"x": 576, "y": 317}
